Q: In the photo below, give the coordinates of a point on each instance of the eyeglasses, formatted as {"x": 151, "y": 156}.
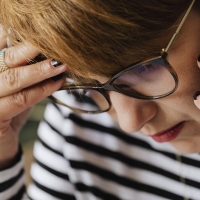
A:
{"x": 148, "y": 80}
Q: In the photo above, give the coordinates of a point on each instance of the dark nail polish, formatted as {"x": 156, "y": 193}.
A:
{"x": 57, "y": 77}
{"x": 196, "y": 94}
{"x": 199, "y": 58}
{"x": 55, "y": 63}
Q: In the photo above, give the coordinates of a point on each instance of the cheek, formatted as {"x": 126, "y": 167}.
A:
{"x": 183, "y": 57}
{"x": 184, "y": 61}
{"x": 189, "y": 79}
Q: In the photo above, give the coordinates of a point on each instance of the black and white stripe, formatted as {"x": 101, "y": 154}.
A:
{"x": 88, "y": 157}
{"x": 12, "y": 180}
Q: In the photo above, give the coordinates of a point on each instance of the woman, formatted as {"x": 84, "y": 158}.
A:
{"x": 112, "y": 51}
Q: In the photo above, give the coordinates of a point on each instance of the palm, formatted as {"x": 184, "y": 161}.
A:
{"x": 18, "y": 121}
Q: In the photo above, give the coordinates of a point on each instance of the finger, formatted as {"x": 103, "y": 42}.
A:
{"x": 196, "y": 97}
{"x": 18, "y": 121}
{"x": 3, "y": 35}
{"x": 15, "y": 79}
{"x": 197, "y": 103}
{"x": 15, "y": 104}
{"x": 19, "y": 55}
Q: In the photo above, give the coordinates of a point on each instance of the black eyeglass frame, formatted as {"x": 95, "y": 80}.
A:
{"x": 108, "y": 86}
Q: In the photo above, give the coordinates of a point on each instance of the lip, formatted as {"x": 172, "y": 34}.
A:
{"x": 169, "y": 134}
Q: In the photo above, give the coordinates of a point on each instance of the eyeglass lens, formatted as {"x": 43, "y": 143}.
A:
{"x": 83, "y": 99}
{"x": 148, "y": 79}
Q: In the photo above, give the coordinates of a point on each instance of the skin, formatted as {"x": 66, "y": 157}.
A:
{"x": 151, "y": 117}
{"x": 19, "y": 91}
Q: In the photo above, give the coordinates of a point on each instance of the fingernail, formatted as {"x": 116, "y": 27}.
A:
{"x": 196, "y": 94}
{"x": 55, "y": 63}
{"x": 57, "y": 77}
{"x": 198, "y": 58}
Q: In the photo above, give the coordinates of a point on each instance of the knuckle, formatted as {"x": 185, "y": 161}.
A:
{"x": 4, "y": 127}
{"x": 44, "y": 90}
{"x": 42, "y": 67}
{"x": 10, "y": 57}
{"x": 11, "y": 79}
{"x": 20, "y": 99}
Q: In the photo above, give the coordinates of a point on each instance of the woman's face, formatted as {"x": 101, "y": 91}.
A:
{"x": 175, "y": 118}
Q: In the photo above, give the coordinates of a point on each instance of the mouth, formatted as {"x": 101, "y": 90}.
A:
{"x": 169, "y": 134}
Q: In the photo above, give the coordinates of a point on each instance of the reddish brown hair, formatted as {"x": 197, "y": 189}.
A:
{"x": 94, "y": 37}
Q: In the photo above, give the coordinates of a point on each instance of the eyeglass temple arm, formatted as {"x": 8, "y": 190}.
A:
{"x": 165, "y": 50}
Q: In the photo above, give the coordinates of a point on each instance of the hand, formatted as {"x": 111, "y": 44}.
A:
{"x": 21, "y": 87}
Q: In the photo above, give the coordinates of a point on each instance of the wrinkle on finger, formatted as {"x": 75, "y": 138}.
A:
{"x": 11, "y": 80}
{"x": 20, "y": 55}
{"x": 13, "y": 105}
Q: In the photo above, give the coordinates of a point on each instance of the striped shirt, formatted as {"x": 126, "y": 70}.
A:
{"x": 88, "y": 157}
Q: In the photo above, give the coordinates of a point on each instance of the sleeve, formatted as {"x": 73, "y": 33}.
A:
{"x": 49, "y": 171}
{"x": 12, "y": 180}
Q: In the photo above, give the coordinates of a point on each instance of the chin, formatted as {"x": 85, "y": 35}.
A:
{"x": 186, "y": 147}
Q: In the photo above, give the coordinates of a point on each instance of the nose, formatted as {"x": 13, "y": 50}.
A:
{"x": 132, "y": 114}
